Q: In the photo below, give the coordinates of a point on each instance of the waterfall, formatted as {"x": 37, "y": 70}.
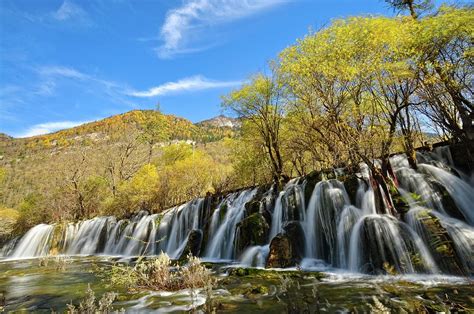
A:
{"x": 290, "y": 205}
{"x": 221, "y": 245}
{"x": 380, "y": 241}
{"x": 255, "y": 256}
{"x": 349, "y": 217}
{"x": 36, "y": 242}
{"x": 324, "y": 208}
{"x": 460, "y": 190}
{"x": 332, "y": 229}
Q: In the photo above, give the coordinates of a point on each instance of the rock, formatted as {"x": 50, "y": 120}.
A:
{"x": 282, "y": 252}
{"x": 193, "y": 244}
{"x": 351, "y": 184}
{"x": 252, "y": 230}
{"x": 311, "y": 180}
{"x": 448, "y": 202}
{"x": 252, "y": 207}
{"x": 441, "y": 244}
{"x": 295, "y": 232}
{"x": 376, "y": 252}
{"x": 463, "y": 155}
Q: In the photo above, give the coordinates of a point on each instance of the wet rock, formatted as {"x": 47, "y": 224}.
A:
{"x": 252, "y": 207}
{"x": 463, "y": 155}
{"x": 193, "y": 244}
{"x": 448, "y": 202}
{"x": 377, "y": 254}
{"x": 441, "y": 244}
{"x": 252, "y": 230}
{"x": 283, "y": 253}
{"x": 351, "y": 184}
{"x": 57, "y": 239}
{"x": 311, "y": 180}
{"x": 295, "y": 232}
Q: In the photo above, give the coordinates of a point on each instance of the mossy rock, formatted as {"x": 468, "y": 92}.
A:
{"x": 57, "y": 238}
{"x": 269, "y": 274}
{"x": 252, "y": 230}
{"x": 441, "y": 244}
{"x": 223, "y": 211}
{"x": 295, "y": 232}
{"x": 252, "y": 207}
{"x": 282, "y": 254}
{"x": 193, "y": 245}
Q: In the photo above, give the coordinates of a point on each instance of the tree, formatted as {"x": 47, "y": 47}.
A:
{"x": 261, "y": 103}
{"x": 445, "y": 41}
{"x": 154, "y": 131}
{"x": 415, "y": 7}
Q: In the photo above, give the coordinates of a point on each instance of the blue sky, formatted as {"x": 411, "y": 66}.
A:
{"x": 65, "y": 62}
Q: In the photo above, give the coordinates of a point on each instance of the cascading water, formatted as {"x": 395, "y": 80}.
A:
{"x": 339, "y": 228}
{"x": 221, "y": 244}
{"x": 324, "y": 210}
{"x": 36, "y": 242}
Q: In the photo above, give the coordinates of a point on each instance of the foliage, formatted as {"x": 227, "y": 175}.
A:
{"x": 91, "y": 305}
{"x": 158, "y": 274}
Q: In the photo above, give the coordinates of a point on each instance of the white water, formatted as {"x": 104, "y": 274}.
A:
{"x": 221, "y": 244}
{"x": 35, "y": 242}
{"x": 336, "y": 233}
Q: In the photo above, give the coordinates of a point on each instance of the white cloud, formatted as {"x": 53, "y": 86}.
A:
{"x": 194, "y": 14}
{"x": 62, "y": 71}
{"x": 187, "y": 84}
{"x": 69, "y": 10}
{"x": 49, "y": 127}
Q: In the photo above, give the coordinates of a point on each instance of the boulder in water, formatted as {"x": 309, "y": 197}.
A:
{"x": 449, "y": 205}
{"x": 440, "y": 243}
{"x": 193, "y": 245}
{"x": 252, "y": 230}
{"x": 283, "y": 253}
{"x": 295, "y": 232}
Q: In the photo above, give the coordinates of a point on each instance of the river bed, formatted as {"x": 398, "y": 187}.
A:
{"x": 46, "y": 285}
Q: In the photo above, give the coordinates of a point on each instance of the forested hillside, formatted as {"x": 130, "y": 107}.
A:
{"x": 141, "y": 159}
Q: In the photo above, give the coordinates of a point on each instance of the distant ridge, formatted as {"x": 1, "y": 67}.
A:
{"x": 221, "y": 121}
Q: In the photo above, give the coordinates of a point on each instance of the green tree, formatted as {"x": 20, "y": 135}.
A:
{"x": 261, "y": 103}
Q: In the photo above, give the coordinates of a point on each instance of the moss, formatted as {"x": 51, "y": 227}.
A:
{"x": 223, "y": 211}
{"x": 252, "y": 230}
{"x": 57, "y": 238}
{"x": 273, "y": 274}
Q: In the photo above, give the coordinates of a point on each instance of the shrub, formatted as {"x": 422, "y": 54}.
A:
{"x": 159, "y": 274}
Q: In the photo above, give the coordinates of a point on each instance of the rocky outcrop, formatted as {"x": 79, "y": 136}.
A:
{"x": 252, "y": 230}
{"x": 193, "y": 244}
{"x": 351, "y": 184}
{"x": 441, "y": 245}
{"x": 283, "y": 253}
{"x": 463, "y": 155}
{"x": 447, "y": 201}
{"x": 295, "y": 232}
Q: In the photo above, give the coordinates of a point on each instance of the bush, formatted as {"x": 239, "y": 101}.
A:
{"x": 159, "y": 274}
{"x": 90, "y": 305}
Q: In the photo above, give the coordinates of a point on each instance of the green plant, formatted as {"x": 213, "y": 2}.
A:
{"x": 91, "y": 305}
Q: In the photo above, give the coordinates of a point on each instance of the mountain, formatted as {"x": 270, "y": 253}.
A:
{"x": 117, "y": 127}
{"x": 221, "y": 121}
